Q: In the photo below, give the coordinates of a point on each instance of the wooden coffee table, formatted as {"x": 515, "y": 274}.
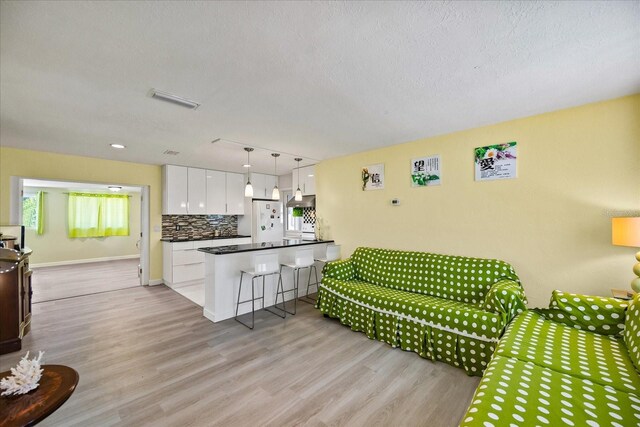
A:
{"x": 56, "y": 385}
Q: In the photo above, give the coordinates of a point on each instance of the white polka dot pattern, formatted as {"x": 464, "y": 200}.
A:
{"x": 522, "y": 394}
{"x": 445, "y": 308}
{"x": 587, "y": 312}
{"x": 632, "y": 331}
{"x": 602, "y": 359}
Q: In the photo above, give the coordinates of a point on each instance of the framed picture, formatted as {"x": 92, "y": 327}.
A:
{"x": 373, "y": 177}
{"x": 496, "y": 162}
{"x": 425, "y": 171}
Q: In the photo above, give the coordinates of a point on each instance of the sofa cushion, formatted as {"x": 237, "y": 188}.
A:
{"x": 454, "y": 278}
{"x": 518, "y": 393}
{"x": 596, "y": 314}
{"x": 632, "y": 331}
{"x": 464, "y": 319}
{"x": 602, "y": 359}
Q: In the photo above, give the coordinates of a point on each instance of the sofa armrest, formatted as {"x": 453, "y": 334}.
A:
{"x": 342, "y": 269}
{"x": 507, "y": 298}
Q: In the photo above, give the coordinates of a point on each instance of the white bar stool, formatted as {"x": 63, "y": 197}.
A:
{"x": 333, "y": 254}
{"x": 303, "y": 259}
{"x": 264, "y": 265}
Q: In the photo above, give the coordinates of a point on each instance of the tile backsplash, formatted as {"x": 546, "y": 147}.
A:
{"x": 198, "y": 226}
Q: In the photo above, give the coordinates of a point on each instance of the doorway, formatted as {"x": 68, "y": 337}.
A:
{"x": 86, "y": 238}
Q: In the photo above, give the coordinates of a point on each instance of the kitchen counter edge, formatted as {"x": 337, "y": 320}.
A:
{"x": 250, "y": 247}
{"x": 174, "y": 240}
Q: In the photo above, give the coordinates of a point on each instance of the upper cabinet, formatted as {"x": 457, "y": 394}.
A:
{"x": 197, "y": 191}
{"x": 307, "y": 183}
{"x": 216, "y": 192}
{"x": 235, "y": 193}
{"x": 174, "y": 190}
{"x": 263, "y": 185}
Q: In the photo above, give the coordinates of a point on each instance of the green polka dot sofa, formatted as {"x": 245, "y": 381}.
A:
{"x": 574, "y": 364}
{"x": 445, "y": 308}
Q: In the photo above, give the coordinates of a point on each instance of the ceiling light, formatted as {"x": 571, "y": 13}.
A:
{"x": 118, "y": 146}
{"x": 174, "y": 99}
{"x": 114, "y": 188}
{"x": 275, "y": 194}
{"x": 248, "y": 189}
{"x": 298, "y": 196}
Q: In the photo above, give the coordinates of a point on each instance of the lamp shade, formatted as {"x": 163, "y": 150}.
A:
{"x": 625, "y": 231}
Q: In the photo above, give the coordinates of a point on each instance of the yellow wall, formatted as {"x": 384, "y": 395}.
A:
{"x": 576, "y": 169}
{"x": 54, "y": 245}
{"x": 42, "y": 165}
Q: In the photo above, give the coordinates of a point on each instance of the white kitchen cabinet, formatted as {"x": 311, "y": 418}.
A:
{"x": 307, "y": 183}
{"x": 174, "y": 190}
{"x": 235, "y": 193}
{"x": 258, "y": 184}
{"x": 216, "y": 192}
{"x": 269, "y": 182}
{"x": 196, "y": 191}
{"x": 183, "y": 264}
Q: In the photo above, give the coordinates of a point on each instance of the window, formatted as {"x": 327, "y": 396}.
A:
{"x": 98, "y": 215}
{"x": 33, "y": 211}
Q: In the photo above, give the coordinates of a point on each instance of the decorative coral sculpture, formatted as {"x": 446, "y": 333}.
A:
{"x": 24, "y": 377}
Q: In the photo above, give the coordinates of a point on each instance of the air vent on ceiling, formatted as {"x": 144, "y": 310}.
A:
{"x": 171, "y": 153}
{"x": 174, "y": 99}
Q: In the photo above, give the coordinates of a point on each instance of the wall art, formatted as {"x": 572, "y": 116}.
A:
{"x": 425, "y": 171}
{"x": 496, "y": 162}
{"x": 373, "y": 177}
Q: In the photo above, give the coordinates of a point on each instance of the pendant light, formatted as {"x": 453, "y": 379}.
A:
{"x": 298, "y": 196}
{"x": 275, "y": 194}
{"x": 248, "y": 189}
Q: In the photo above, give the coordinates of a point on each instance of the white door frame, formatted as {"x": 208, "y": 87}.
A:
{"x": 15, "y": 215}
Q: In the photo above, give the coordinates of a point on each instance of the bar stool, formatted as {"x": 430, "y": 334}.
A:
{"x": 303, "y": 259}
{"x": 264, "y": 265}
{"x": 333, "y": 254}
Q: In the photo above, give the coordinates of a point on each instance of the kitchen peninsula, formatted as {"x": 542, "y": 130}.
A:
{"x": 223, "y": 265}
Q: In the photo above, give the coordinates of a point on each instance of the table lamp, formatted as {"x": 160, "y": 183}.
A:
{"x": 626, "y": 232}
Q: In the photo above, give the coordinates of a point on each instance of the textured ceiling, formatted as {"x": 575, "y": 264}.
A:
{"x": 316, "y": 79}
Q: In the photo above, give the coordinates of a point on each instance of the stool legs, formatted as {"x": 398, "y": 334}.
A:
{"x": 280, "y": 291}
{"x": 307, "y": 298}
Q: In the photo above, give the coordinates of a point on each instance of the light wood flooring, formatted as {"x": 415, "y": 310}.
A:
{"x": 147, "y": 357}
{"x": 65, "y": 281}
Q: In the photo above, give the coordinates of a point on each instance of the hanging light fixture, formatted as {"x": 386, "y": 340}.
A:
{"x": 248, "y": 189}
{"x": 298, "y": 196}
{"x": 275, "y": 194}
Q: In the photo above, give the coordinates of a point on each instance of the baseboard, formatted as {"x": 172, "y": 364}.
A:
{"x": 83, "y": 261}
{"x": 209, "y": 315}
{"x": 154, "y": 282}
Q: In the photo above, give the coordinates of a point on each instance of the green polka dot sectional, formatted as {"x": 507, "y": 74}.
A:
{"x": 445, "y": 308}
{"x": 574, "y": 364}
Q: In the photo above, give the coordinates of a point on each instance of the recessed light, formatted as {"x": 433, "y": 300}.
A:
{"x": 310, "y": 175}
{"x": 246, "y": 165}
{"x": 114, "y": 188}
{"x": 120, "y": 146}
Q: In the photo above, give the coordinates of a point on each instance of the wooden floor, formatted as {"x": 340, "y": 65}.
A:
{"x": 146, "y": 356}
{"x": 51, "y": 283}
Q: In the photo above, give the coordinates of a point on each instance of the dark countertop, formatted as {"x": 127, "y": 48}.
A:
{"x": 234, "y": 249}
{"x": 175, "y": 239}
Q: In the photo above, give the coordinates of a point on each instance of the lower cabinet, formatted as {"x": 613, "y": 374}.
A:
{"x": 15, "y": 299}
{"x": 183, "y": 264}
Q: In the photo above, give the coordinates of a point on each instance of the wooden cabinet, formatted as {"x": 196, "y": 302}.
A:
{"x": 307, "y": 183}
{"x": 15, "y": 299}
